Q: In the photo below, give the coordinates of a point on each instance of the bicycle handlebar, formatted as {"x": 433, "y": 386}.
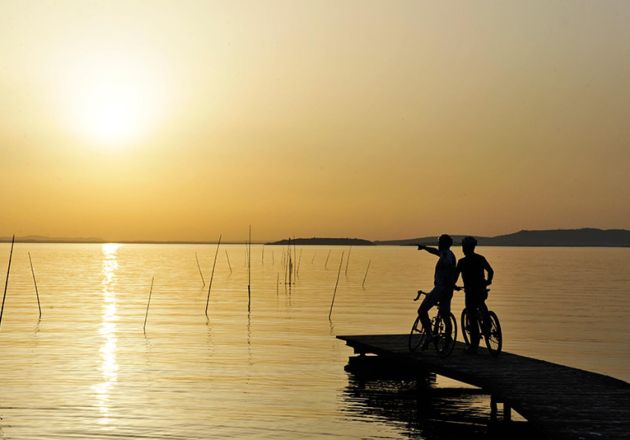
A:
{"x": 420, "y": 292}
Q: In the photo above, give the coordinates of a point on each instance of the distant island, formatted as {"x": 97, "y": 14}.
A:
{"x": 324, "y": 242}
{"x": 584, "y": 237}
{"x": 554, "y": 237}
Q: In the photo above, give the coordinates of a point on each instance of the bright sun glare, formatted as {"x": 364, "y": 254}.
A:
{"x": 112, "y": 112}
{"x": 113, "y": 103}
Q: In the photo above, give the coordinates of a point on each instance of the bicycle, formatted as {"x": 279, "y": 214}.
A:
{"x": 488, "y": 325}
{"x": 443, "y": 340}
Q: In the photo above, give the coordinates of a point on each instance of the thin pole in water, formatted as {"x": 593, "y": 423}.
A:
{"x": 290, "y": 266}
{"x": 6, "y": 282}
{"x": 366, "y": 272}
{"x": 249, "y": 270}
{"x": 348, "y": 260}
{"x": 332, "y": 303}
{"x": 299, "y": 264}
{"x": 327, "y": 257}
{"x": 212, "y": 275}
{"x": 200, "y": 272}
{"x": 146, "y": 315}
{"x": 295, "y": 261}
{"x": 228, "y": 260}
{"x": 39, "y": 306}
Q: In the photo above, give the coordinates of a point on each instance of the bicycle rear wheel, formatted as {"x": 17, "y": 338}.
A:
{"x": 417, "y": 335}
{"x": 492, "y": 334}
{"x": 466, "y": 324}
{"x": 446, "y": 335}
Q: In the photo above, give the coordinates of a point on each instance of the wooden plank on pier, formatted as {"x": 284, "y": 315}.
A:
{"x": 560, "y": 401}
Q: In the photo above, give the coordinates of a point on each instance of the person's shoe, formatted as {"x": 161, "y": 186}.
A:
{"x": 471, "y": 350}
{"x": 427, "y": 341}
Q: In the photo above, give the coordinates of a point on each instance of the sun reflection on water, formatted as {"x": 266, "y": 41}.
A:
{"x": 109, "y": 365}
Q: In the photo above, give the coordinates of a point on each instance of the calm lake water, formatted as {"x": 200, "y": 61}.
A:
{"x": 87, "y": 369}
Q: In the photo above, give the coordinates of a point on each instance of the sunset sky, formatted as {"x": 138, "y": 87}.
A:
{"x": 180, "y": 120}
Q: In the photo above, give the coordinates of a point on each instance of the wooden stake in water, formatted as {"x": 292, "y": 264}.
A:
{"x": 200, "y": 272}
{"x": 249, "y": 271}
{"x": 366, "y": 272}
{"x": 289, "y": 264}
{"x": 332, "y": 303}
{"x": 290, "y": 269}
{"x": 295, "y": 261}
{"x": 348, "y": 260}
{"x": 277, "y": 282}
{"x": 327, "y": 257}
{"x": 299, "y": 264}
{"x": 284, "y": 268}
{"x": 39, "y": 306}
{"x": 6, "y": 282}
{"x": 228, "y": 260}
{"x": 146, "y": 315}
{"x": 212, "y": 274}
{"x": 263, "y": 255}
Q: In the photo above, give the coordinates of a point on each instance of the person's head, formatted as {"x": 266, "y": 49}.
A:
{"x": 445, "y": 241}
{"x": 468, "y": 245}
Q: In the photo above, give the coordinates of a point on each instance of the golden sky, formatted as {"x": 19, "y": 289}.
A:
{"x": 180, "y": 120}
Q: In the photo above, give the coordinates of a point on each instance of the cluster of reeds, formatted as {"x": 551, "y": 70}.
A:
{"x": 291, "y": 262}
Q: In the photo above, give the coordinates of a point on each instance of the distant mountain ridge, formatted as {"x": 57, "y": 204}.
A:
{"x": 552, "y": 237}
{"x": 583, "y": 237}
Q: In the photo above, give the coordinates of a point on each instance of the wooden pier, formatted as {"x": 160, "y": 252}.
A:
{"x": 559, "y": 401}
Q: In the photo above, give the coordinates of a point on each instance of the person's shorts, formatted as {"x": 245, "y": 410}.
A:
{"x": 441, "y": 295}
{"x": 475, "y": 297}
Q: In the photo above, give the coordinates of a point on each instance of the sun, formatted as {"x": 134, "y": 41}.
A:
{"x": 113, "y": 113}
{"x": 113, "y": 102}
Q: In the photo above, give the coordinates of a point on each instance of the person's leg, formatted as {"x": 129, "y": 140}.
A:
{"x": 445, "y": 310}
{"x": 484, "y": 318}
{"x": 471, "y": 309}
{"x": 429, "y": 301}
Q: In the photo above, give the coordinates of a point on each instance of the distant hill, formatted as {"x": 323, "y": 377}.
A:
{"x": 325, "y": 242}
{"x": 553, "y": 237}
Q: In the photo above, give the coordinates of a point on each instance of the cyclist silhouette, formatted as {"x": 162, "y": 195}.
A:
{"x": 444, "y": 281}
{"x": 472, "y": 268}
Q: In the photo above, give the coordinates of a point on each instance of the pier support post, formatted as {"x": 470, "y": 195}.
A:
{"x": 507, "y": 409}
{"x": 507, "y": 412}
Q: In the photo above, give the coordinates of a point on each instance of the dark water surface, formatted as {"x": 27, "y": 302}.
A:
{"x": 87, "y": 369}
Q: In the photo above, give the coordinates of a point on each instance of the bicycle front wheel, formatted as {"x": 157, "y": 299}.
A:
{"x": 416, "y": 335}
{"x": 446, "y": 335}
{"x": 492, "y": 334}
